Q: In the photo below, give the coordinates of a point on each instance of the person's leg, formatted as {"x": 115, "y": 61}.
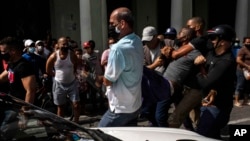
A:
{"x": 246, "y": 93}
{"x": 60, "y": 110}
{"x": 191, "y": 99}
{"x": 212, "y": 120}
{"x": 239, "y": 87}
{"x": 161, "y": 113}
{"x": 111, "y": 119}
{"x": 207, "y": 120}
{"x": 59, "y": 97}
{"x": 188, "y": 124}
{"x": 148, "y": 111}
{"x": 73, "y": 93}
{"x": 76, "y": 110}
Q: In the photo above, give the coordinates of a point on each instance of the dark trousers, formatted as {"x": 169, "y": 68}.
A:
{"x": 157, "y": 113}
{"x": 212, "y": 120}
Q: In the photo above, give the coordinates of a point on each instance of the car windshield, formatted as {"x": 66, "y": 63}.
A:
{"x": 34, "y": 123}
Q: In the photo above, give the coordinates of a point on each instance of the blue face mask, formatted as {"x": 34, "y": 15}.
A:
{"x": 31, "y": 49}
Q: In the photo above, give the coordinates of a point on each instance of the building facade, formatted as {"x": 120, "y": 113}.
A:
{"x": 83, "y": 20}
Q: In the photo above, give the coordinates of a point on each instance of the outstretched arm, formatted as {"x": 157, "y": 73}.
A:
{"x": 169, "y": 52}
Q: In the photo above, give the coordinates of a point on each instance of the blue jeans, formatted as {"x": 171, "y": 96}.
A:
{"x": 111, "y": 119}
{"x": 242, "y": 85}
{"x": 157, "y": 113}
{"x": 212, "y": 120}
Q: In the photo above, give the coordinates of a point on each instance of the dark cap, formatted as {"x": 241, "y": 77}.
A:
{"x": 170, "y": 31}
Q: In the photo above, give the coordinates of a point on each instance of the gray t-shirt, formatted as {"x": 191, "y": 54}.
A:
{"x": 179, "y": 69}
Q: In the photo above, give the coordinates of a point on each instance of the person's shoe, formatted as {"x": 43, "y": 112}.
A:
{"x": 237, "y": 104}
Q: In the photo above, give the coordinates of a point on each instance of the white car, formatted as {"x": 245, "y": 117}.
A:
{"x": 37, "y": 124}
{"x": 153, "y": 134}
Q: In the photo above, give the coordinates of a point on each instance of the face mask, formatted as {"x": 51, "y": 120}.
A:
{"x": 5, "y": 56}
{"x": 31, "y": 49}
{"x": 247, "y": 45}
{"x": 39, "y": 48}
{"x": 112, "y": 32}
{"x": 117, "y": 30}
{"x": 65, "y": 49}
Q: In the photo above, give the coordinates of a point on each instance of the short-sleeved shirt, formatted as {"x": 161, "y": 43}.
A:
{"x": 202, "y": 43}
{"x": 16, "y": 71}
{"x": 244, "y": 53}
{"x": 179, "y": 69}
{"x": 124, "y": 70}
{"x": 38, "y": 63}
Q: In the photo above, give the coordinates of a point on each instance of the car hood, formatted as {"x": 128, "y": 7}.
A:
{"x": 38, "y": 116}
{"x": 153, "y": 134}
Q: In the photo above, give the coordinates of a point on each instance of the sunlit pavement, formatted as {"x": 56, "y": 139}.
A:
{"x": 239, "y": 116}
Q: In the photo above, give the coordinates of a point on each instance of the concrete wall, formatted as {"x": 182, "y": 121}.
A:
{"x": 65, "y": 19}
{"x": 146, "y": 14}
{"x": 82, "y": 20}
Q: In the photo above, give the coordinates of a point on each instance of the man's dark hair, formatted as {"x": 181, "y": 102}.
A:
{"x": 190, "y": 33}
{"x": 92, "y": 44}
{"x": 200, "y": 21}
{"x": 13, "y": 43}
{"x": 127, "y": 16}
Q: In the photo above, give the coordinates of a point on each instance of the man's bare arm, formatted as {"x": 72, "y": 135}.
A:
{"x": 29, "y": 84}
{"x": 50, "y": 64}
{"x": 4, "y": 76}
{"x": 183, "y": 50}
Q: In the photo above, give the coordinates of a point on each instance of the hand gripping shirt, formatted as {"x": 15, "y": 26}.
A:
{"x": 124, "y": 70}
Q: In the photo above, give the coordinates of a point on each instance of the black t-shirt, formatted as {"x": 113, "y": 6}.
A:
{"x": 202, "y": 43}
{"x": 17, "y": 71}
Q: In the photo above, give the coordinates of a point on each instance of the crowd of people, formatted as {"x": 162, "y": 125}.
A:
{"x": 198, "y": 71}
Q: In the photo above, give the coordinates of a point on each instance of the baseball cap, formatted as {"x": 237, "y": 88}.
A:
{"x": 170, "y": 31}
{"x": 28, "y": 42}
{"x": 38, "y": 41}
{"x": 148, "y": 33}
{"x": 86, "y": 45}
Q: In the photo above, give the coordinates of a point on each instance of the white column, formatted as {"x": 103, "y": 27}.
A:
{"x": 93, "y": 22}
{"x": 242, "y": 19}
{"x": 104, "y": 24}
{"x": 181, "y": 11}
{"x": 85, "y": 20}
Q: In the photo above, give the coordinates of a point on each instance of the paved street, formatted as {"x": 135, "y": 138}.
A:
{"x": 239, "y": 116}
